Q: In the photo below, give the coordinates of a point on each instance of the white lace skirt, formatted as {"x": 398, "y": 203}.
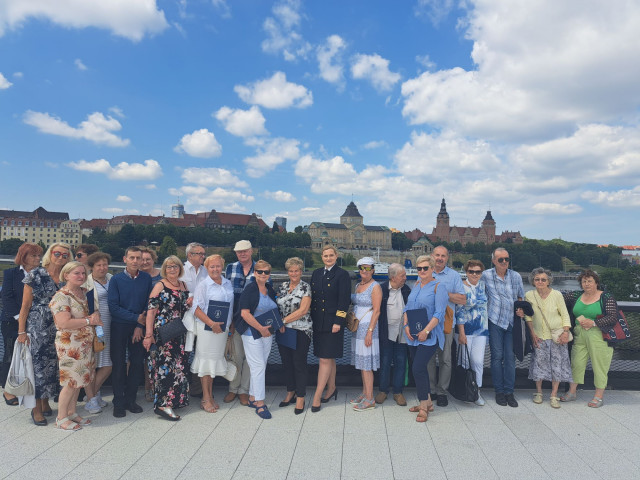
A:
{"x": 209, "y": 358}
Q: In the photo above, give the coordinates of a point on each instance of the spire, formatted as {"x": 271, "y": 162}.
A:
{"x": 351, "y": 211}
{"x": 443, "y": 207}
{"x": 488, "y": 216}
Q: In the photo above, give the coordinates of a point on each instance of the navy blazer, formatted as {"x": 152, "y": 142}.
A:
{"x": 249, "y": 299}
{"x": 12, "y": 289}
{"x": 330, "y": 298}
{"x": 383, "y": 322}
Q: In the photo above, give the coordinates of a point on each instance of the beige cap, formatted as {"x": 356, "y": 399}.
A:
{"x": 242, "y": 245}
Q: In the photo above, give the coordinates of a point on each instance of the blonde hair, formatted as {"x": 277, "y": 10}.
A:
{"x": 212, "y": 258}
{"x": 262, "y": 265}
{"x": 46, "y": 259}
{"x": 71, "y": 266}
{"x": 426, "y": 258}
{"x": 330, "y": 247}
{"x": 294, "y": 262}
{"x": 171, "y": 259}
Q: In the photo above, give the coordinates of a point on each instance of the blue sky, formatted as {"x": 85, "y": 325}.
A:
{"x": 289, "y": 108}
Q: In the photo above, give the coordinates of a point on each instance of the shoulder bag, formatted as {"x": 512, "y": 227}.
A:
{"x": 172, "y": 329}
{"x": 556, "y": 332}
{"x": 18, "y": 382}
{"x": 619, "y": 332}
{"x": 464, "y": 386}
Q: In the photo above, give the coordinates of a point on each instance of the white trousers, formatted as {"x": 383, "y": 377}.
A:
{"x": 477, "y": 345}
{"x": 257, "y": 354}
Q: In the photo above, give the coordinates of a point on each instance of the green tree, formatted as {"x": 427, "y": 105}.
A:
{"x": 399, "y": 241}
{"x": 10, "y": 246}
{"x": 298, "y": 229}
{"x": 168, "y": 247}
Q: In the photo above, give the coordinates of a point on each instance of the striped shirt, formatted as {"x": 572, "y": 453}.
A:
{"x": 501, "y": 295}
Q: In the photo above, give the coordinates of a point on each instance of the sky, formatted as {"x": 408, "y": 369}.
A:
{"x": 292, "y": 108}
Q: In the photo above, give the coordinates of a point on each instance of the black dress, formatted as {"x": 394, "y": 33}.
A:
{"x": 330, "y": 299}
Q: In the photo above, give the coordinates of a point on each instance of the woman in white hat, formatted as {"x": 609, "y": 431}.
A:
{"x": 365, "y": 349}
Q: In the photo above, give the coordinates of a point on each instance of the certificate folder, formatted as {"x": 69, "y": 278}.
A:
{"x": 417, "y": 320}
{"x": 287, "y": 339}
{"x": 218, "y": 312}
{"x": 271, "y": 319}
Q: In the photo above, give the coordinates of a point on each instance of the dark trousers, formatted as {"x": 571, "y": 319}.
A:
{"x": 420, "y": 355}
{"x": 392, "y": 353}
{"x": 9, "y": 336}
{"x": 125, "y": 384}
{"x": 295, "y": 364}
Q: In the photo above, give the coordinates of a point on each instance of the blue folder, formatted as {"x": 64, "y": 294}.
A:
{"x": 218, "y": 312}
{"x": 271, "y": 319}
{"x": 91, "y": 301}
{"x": 287, "y": 339}
{"x": 417, "y": 319}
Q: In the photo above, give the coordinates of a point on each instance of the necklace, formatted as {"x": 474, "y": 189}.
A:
{"x": 172, "y": 284}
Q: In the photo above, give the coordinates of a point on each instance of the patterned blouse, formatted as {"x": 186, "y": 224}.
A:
{"x": 290, "y": 302}
{"x": 473, "y": 314}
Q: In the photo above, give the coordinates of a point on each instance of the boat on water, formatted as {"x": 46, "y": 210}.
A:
{"x": 381, "y": 270}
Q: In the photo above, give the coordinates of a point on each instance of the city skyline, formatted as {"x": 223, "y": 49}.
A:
{"x": 292, "y": 108}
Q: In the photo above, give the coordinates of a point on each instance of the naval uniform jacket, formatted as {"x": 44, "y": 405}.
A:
{"x": 330, "y": 298}
{"x": 12, "y": 294}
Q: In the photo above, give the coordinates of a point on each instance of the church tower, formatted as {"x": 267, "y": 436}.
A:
{"x": 489, "y": 226}
{"x": 442, "y": 223}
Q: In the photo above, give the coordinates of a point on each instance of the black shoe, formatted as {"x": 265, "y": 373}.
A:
{"x": 40, "y": 423}
{"x": 511, "y": 400}
{"x": 501, "y": 399}
{"x": 133, "y": 407}
{"x": 315, "y": 409}
{"x": 442, "y": 401}
{"x": 119, "y": 412}
{"x": 55, "y": 399}
{"x": 167, "y": 413}
{"x": 298, "y": 411}
{"x": 11, "y": 402}
{"x": 334, "y": 395}
{"x": 285, "y": 403}
{"x": 47, "y": 413}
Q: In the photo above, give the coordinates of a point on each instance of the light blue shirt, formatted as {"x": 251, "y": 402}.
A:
{"x": 501, "y": 295}
{"x": 451, "y": 279}
{"x": 435, "y": 303}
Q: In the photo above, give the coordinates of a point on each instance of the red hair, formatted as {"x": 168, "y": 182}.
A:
{"x": 27, "y": 248}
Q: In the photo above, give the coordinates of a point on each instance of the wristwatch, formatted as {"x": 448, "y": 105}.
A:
{"x": 88, "y": 321}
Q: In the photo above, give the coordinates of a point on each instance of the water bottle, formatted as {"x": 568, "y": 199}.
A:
{"x": 100, "y": 333}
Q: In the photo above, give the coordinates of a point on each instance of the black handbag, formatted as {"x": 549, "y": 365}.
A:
{"x": 172, "y": 329}
{"x": 463, "y": 384}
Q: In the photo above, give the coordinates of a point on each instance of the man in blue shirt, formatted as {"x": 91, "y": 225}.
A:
{"x": 503, "y": 287}
{"x": 128, "y": 296}
{"x": 239, "y": 274}
{"x": 449, "y": 279}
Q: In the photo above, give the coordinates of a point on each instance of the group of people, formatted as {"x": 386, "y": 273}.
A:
{"x": 82, "y": 325}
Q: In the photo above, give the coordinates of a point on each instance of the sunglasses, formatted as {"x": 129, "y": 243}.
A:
{"x": 420, "y": 269}
{"x": 366, "y": 268}
{"x": 503, "y": 260}
{"x": 60, "y": 254}
{"x": 263, "y": 272}
{"x": 474, "y": 272}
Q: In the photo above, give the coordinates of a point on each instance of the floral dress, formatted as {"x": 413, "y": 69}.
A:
{"x": 42, "y": 333}
{"x": 363, "y": 357}
{"x": 74, "y": 345}
{"x": 168, "y": 363}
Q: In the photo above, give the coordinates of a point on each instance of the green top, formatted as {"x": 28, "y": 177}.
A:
{"x": 588, "y": 311}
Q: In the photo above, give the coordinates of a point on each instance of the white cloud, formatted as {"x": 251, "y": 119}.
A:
{"x": 269, "y": 154}
{"x": 18, "y": 75}
{"x": 223, "y": 7}
{"x": 616, "y": 199}
{"x": 275, "y": 92}
{"x": 212, "y": 177}
{"x": 80, "y": 66}
{"x": 112, "y": 210}
{"x": 283, "y": 31}
{"x": 330, "y": 60}
{"x": 537, "y": 74}
{"x": 221, "y": 199}
{"x": 123, "y": 198}
{"x": 375, "y": 69}
{"x": 434, "y": 10}
{"x": 556, "y": 209}
{"x": 117, "y": 111}
{"x": 242, "y": 123}
{"x": 425, "y": 61}
{"x": 347, "y": 151}
{"x": 122, "y": 171}
{"x": 149, "y": 186}
{"x": 132, "y": 19}
{"x": 96, "y": 128}
{"x": 4, "y": 83}
{"x": 280, "y": 196}
{"x": 374, "y": 144}
{"x": 201, "y": 144}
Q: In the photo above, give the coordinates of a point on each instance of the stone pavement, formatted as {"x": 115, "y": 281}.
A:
{"x": 460, "y": 441}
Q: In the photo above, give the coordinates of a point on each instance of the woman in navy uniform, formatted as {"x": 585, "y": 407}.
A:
{"x": 330, "y": 299}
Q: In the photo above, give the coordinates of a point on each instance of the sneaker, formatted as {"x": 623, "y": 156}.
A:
{"x": 480, "y": 401}
{"x": 442, "y": 401}
{"x": 365, "y": 404}
{"x": 92, "y": 406}
{"x": 101, "y": 402}
{"x": 501, "y": 399}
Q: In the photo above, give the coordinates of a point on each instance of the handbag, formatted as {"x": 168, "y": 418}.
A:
{"x": 98, "y": 346}
{"x": 619, "y": 332}
{"x": 18, "y": 383}
{"x": 353, "y": 321}
{"x": 556, "y": 332}
{"x": 448, "y": 316}
{"x": 172, "y": 329}
{"x": 463, "y": 385}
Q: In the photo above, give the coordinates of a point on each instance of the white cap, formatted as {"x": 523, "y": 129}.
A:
{"x": 242, "y": 245}
{"x": 366, "y": 261}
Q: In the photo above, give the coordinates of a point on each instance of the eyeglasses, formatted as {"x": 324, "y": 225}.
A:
{"x": 504, "y": 260}
{"x": 420, "y": 269}
{"x": 60, "y": 254}
{"x": 199, "y": 254}
{"x": 366, "y": 268}
{"x": 263, "y": 272}
{"x": 474, "y": 272}
{"x": 79, "y": 255}
{"x": 173, "y": 267}
{"x": 543, "y": 280}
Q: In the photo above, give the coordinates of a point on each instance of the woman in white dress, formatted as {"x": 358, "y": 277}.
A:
{"x": 209, "y": 361}
{"x": 365, "y": 349}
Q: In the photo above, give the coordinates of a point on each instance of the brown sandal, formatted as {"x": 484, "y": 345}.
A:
{"x": 416, "y": 409}
{"x": 423, "y": 415}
